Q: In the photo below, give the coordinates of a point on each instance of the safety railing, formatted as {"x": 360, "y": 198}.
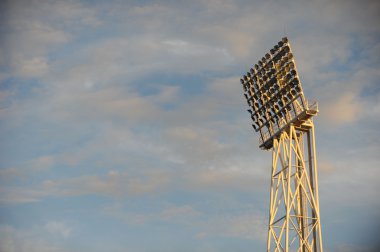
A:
{"x": 267, "y": 134}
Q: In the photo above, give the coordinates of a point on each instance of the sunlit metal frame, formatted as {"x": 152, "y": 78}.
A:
{"x": 294, "y": 219}
{"x": 275, "y": 92}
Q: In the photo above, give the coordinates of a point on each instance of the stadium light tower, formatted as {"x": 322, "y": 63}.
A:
{"x": 283, "y": 117}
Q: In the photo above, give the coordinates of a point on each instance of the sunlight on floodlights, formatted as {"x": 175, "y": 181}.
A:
{"x": 274, "y": 93}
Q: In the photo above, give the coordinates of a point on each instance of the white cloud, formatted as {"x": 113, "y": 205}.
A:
{"x": 8, "y": 174}
{"x": 27, "y": 47}
{"x": 166, "y": 94}
{"x": 355, "y": 248}
{"x": 114, "y": 184}
{"x": 345, "y": 108}
{"x": 42, "y": 163}
{"x": 27, "y": 169}
{"x": 225, "y": 178}
{"x": 58, "y": 227}
{"x": 187, "y": 49}
{"x": 30, "y": 40}
{"x": 178, "y": 212}
{"x": 11, "y": 195}
{"x": 243, "y": 224}
{"x": 34, "y": 67}
{"x": 247, "y": 226}
{"x": 184, "y": 215}
{"x": 16, "y": 240}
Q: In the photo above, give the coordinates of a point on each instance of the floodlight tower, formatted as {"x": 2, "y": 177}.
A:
{"x": 283, "y": 117}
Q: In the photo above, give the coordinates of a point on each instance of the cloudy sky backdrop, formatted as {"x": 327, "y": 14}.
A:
{"x": 124, "y": 128}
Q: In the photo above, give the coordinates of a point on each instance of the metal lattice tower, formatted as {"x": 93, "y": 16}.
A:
{"x": 283, "y": 117}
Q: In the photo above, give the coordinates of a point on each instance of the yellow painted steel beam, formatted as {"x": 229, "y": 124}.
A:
{"x": 294, "y": 220}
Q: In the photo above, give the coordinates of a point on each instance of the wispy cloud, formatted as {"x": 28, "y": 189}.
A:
{"x": 12, "y": 240}
{"x": 243, "y": 225}
{"x": 58, "y": 227}
{"x": 345, "y": 108}
{"x": 114, "y": 184}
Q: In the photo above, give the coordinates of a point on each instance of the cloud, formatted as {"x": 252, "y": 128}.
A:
{"x": 166, "y": 95}
{"x": 8, "y": 174}
{"x": 26, "y": 169}
{"x": 34, "y": 67}
{"x": 31, "y": 37}
{"x": 114, "y": 184}
{"x": 168, "y": 140}
{"x": 244, "y": 226}
{"x": 126, "y": 60}
{"x": 348, "y": 186}
{"x": 326, "y": 167}
{"x": 188, "y": 49}
{"x": 42, "y": 163}
{"x": 122, "y": 185}
{"x": 30, "y": 41}
{"x": 225, "y": 178}
{"x": 27, "y": 45}
{"x": 58, "y": 227}
{"x": 178, "y": 212}
{"x": 346, "y": 108}
{"x": 355, "y": 248}
{"x": 195, "y": 144}
{"x": 184, "y": 215}
{"x": 18, "y": 240}
{"x": 11, "y": 195}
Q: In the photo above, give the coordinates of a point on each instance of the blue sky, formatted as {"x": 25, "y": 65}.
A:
{"x": 124, "y": 128}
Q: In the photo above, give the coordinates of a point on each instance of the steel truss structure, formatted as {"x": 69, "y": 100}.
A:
{"x": 294, "y": 220}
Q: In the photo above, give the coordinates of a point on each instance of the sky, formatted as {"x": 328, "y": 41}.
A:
{"x": 124, "y": 126}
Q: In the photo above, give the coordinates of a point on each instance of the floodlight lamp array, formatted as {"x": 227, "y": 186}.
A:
{"x": 271, "y": 86}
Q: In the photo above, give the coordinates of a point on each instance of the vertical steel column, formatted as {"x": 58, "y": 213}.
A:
{"x": 316, "y": 188}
